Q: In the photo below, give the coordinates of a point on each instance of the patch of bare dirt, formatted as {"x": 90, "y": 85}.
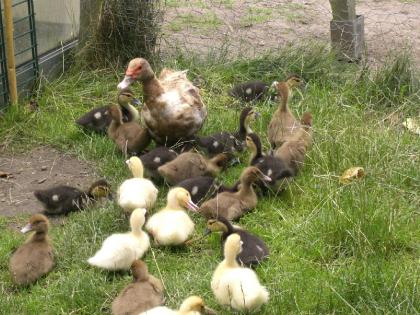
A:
{"x": 40, "y": 168}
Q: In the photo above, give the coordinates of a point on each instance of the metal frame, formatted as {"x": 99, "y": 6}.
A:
{"x": 4, "y": 87}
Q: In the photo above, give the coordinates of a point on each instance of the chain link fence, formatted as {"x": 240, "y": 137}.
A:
{"x": 248, "y": 28}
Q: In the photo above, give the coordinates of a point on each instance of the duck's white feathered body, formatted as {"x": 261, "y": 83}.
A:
{"x": 137, "y": 193}
{"x": 118, "y": 251}
{"x": 239, "y": 288}
{"x": 170, "y": 227}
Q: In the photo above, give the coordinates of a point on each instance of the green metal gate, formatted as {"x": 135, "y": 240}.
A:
{"x": 25, "y": 35}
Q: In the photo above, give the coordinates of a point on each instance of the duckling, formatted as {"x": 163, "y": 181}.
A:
{"x": 232, "y": 205}
{"x": 201, "y": 187}
{"x": 249, "y": 91}
{"x": 119, "y": 250}
{"x": 155, "y": 158}
{"x": 228, "y": 141}
{"x": 271, "y": 166}
{"x": 136, "y": 192}
{"x": 144, "y": 293}
{"x": 234, "y": 285}
{"x": 129, "y": 137}
{"x": 35, "y": 257}
{"x": 293, "y": 151}
{"x": 193, "y": 305}
{"x": 172, "y": 225}
{"x": 283, "y": 123}
{"x": 191, "y": 164}
{"x": 254, "y": 249}
{"x": 173, "y": 108}
{"x": 98, "y": 119}
{"x": 63, "y": 199}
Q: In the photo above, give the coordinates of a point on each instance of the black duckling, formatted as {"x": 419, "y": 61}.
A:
{"x": 201, "y": 187}
{"x": 273, "y": 167}
{"x": 35, "y": 257}
{"x": 144, "y": 293}
{"x": 229, "y": 141}
{"x": 64, "y": 199}
{"x": 98, "y": 119}
{"x": 249, "y": 91}
{"x": 155, "y": 158}
{"x": 254, "y": 250}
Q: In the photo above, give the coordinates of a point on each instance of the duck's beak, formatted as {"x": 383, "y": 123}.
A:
{"x": 135, "y": 102}
{"x": 125, "y": 83}
{"x": 27, "y": 228}
{"x": 207, "y": 231}
{"x": 267, "y": 178}
{"x": 192, "y": 206}
{"x": 257, "y": 115}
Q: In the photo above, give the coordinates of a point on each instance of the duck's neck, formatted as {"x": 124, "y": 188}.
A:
{"x": 230, "y": 260}
{"x": 137, "y": 172}
{"x": 244, "y": 127}
{"x": 284, "y": 91}
{"x": 214, "y": 164}
{"x": 256, "y": 153}
{"x": 246, "y": 188}
{"x": 151, "y": 87}
{"x": 39, "y": 236}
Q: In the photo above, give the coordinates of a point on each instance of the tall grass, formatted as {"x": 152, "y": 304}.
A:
{"x": 351, "y": 249}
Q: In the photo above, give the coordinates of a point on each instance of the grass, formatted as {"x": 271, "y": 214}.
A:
{"x": 255, "y": 15}
{"x": 350, "y": 249}
{"x": 204, "y": 22}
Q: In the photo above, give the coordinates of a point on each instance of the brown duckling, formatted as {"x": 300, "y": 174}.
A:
{"x": 155, "y": 158}
{"x": 254, "y": 249}
{"x": 232, "y": 205}
{"x": 98, "y": 119}
{"x": 293, "y": 151}
{"x": 273, "y": 167}
{"x": 144, "y": 293}
{"x": 283, "y": 123}
{"x": 191, "y": 164}
{"x": 229, "y": 141}
{"x": 129, "y": 137}
{"x": 63, "y": 199}
{"x": 35, "y": 257}
{"x": 173, "y": 107}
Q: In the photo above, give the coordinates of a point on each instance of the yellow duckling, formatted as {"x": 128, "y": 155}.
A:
{"x": 234, "y": 285}
{"x": 172, "y": 225}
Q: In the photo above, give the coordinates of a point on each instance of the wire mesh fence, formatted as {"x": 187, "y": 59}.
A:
{"x": 248, "y": 28}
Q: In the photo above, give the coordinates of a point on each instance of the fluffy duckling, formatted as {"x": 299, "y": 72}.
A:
{"x": 98, "y": 119}
{"x": 63, "y": 199}
{"x": 136, "y": 192}
{"x": 232, "y": 205}
{"x": 201, "y": 187}
{"x": 254, "y": 249}
{"x": 283, "y": 123}
{"x": 144, "y": 293}
{"x": 129, "y": 137}
{"x": 293, "y": 151}
{"x": 35, "y": 258}
{"x": 155, "y": 158}
{"x": 229, "y": 141}
{"x": 191, "y": 164}
{"x": 249, "y": 91}
{"x": 271, "y": 166}
{"x": 172, "y": 225}
{"x": 193, "y": 305}
{"x": 234, "y": 285}
{"x": 119, "y": 250}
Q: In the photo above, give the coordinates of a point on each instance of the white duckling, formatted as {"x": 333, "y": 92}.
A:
{"x": 234, "y": 285}
{"x": 119, "y": 250}
{"x": 136, "y": 192}
{"x": 193, "y": 305}
{"x": 172, "y": 225}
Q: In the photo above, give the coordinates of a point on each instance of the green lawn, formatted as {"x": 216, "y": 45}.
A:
{"x": 334, "y": 249}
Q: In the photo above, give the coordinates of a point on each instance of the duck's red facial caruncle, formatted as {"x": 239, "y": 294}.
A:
{"x": 132, "y": 73}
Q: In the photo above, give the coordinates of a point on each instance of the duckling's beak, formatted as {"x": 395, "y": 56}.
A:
{"x": 267, "y": 178}
{"x": 207, "y": 231}
{"x": 135, "y": 102}
{"x": 257, "y": 115}
{"x": 192, "y": 206}
{"x": 125, "y": 83}
{"x": 27, "y": 228}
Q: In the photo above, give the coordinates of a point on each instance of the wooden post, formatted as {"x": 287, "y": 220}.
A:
{"x": 347, "y": 30}
{"x": 10, "y": 51}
